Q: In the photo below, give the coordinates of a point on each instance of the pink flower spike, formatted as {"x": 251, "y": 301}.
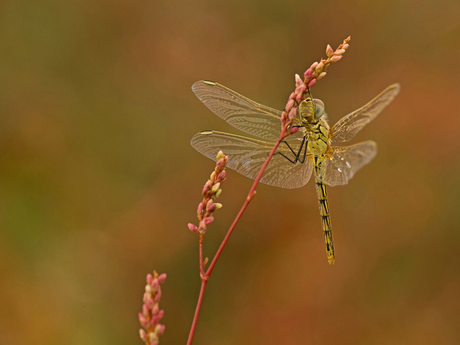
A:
{"x": 307, "y": 74}
{"x": 329, "y": 50}
{"x": 313, "y": 81}
{"x": 298, "y": 81}
{"x": 192, "y": 227}
{"x": 336, "y": 58}
{"x": 294, "y": 130}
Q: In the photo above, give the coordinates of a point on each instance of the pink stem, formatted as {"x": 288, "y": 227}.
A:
{"x": 205, "y": 275}
{"x": 197, "y": 311}
{"x": 252, "y": 191}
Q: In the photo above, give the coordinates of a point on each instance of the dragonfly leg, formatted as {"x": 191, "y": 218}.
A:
{"x": 297, "y": 154}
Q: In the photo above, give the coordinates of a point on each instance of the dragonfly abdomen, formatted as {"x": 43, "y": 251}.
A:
{"x": 325, "y": 218}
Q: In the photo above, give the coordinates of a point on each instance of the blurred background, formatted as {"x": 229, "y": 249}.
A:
{"x": 98, "y": 180}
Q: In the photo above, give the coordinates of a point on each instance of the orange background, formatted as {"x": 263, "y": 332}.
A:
{"x": 98, "y": 180}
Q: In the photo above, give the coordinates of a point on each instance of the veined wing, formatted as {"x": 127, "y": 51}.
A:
{"x": 248, "y": 116}
{"x": 349, "y": 125}
{"x": 247, "y": 155}
{"x": 345, "y": 161}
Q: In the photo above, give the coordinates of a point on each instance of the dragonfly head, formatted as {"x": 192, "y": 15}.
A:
{"x": 311, "y": 109}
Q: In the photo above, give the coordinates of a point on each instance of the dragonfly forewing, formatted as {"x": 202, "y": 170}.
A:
{"x": 242, "y": 113}
{"x": 347, "y": 127}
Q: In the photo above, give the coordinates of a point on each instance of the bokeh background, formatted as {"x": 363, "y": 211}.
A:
{"x": 98, "y": 180}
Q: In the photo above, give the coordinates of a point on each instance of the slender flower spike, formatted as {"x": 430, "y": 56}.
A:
{"x": 151, "y": 314}
{"x": 211, "y": 191}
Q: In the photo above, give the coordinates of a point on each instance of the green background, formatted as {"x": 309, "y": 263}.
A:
{"x": 98, "y": 180}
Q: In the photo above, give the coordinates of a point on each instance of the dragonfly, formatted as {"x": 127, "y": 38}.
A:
{"x": 311, "y": 149}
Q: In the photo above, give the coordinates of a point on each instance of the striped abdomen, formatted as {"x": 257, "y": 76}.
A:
{"x": 325, "y": 219}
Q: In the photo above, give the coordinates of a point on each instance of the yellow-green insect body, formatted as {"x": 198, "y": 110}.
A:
{"x": 313, "y": 147}
{"x": 311, "y": 115}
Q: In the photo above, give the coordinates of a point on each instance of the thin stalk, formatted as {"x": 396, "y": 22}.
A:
{"x": 205, "y": 275}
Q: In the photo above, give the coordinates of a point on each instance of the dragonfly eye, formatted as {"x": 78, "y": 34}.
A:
{"x": 319, "y": 108}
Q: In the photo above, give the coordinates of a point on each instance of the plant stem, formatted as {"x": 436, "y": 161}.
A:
{"x": 205, "y": 275}
{"x": 197, "y": 311}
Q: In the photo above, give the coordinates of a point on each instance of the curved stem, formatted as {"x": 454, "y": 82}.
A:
{"x": 197, "y": 312}
{"x": 205, "y": 274}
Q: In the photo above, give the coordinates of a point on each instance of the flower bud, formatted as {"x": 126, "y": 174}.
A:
{"x": 319, "y": 68}
{"x": 216, "y": 187}
{"x": 289, "y": 104}
{"x": 329, "y": 50}
{"x": 322, "y": 74}
{"x": 220, "y": 155}
{"x": 208, "y": 220}
{"x": 336, "y": 58}
{"x": 192, "y": 227}
{"x": 221, "y": 177}
{"x": 298, "y": 81}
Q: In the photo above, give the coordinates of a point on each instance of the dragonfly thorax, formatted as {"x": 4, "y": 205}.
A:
{"x": 318, "y": 138}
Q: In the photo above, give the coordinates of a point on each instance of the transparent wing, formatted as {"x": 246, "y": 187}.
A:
{"x": 247, "y": 155}
{"x": 345, "y": 161}
{"x": 248, "y": 116}
{"x": 348, "y": 126}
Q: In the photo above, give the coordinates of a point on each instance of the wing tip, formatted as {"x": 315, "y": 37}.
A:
{"x": 201, "y": 82}
{"x": 396, "y": 87}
